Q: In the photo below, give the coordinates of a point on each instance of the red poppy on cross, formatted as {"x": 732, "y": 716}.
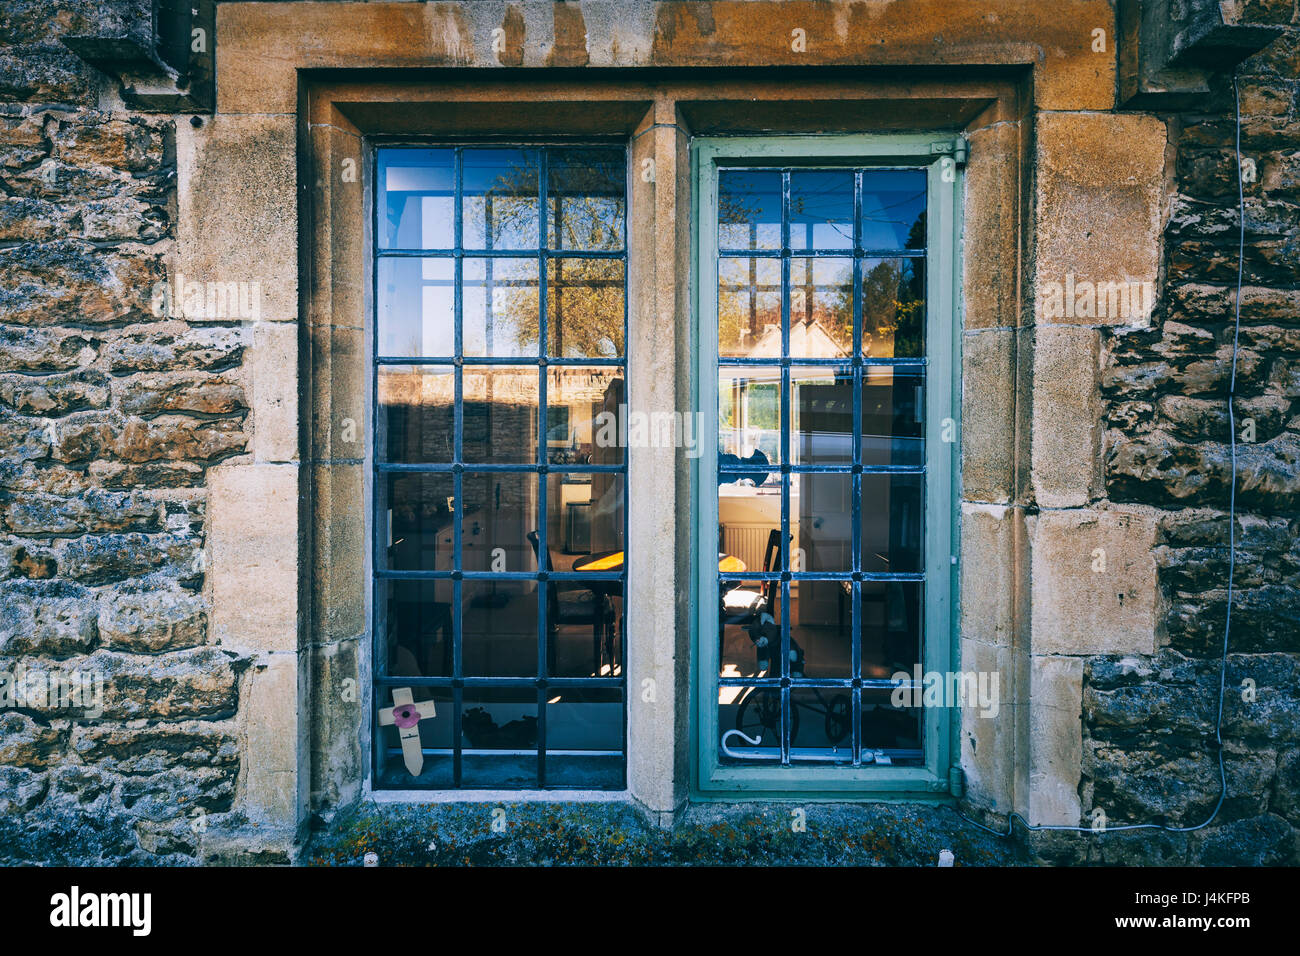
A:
{"x": 406, "y": 717}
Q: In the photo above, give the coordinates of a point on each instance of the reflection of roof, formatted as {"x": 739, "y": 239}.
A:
{"x": 807, "y": 340}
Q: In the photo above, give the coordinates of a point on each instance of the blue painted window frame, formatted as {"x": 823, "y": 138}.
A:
{"x": 933, "y": 153}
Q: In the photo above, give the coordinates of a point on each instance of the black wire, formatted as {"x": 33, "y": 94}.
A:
{"x": 1232, "y": 552}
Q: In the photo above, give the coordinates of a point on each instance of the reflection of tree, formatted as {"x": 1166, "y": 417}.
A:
{"x": 585, "y": 204}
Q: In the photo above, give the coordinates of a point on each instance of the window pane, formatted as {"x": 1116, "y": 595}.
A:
{"x": 417, "y": 307}
{"x": 416, "y": 413}
{"x": 416, "y": 521}
{"x": 435, "y": 734}
{"x": 499, "y": 628}
{"x": 824, "y": 506}
{"x": 893, "y": 412}
{"x": 892, "y": 524}
{"x": 893, "y": 308}
{"x": 749, "y": 419}
{"x": 419, "y": 190}
{"x": 417, "y": 627}
{"x": 585, "y": 308}
{"x": 585, "y": 198}
{"x": 756, "y": 713}
{"x": 584, "y": 409}
{"x": 749, "y": 307}
{"x": 890, "y": 729}
{"x": 584, "y": 738}
{"x": 892, "y": 621}
{"x": 584, "y": 521}
{"x": 749, "y": 209}
{"x": 500, "y": 414}
{"x": 499, "y": 198}
{"x": 500, "y": 510}
{"x": 825, "y": 724}
{"x": 821, "y": 629}
{"x": 821, "y": 432}
{"x": 821, "y": 209}
{"x": 500, "y": 307}
{"x": 821, "y": 308}
{"x": 893, "y": 209}
{"x": 583, "y": 624}
{"x": 499, "y": 734}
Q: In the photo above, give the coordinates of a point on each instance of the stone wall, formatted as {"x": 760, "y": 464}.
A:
{"x": 111, "y": 419}
{"x": 1148, "y": 743}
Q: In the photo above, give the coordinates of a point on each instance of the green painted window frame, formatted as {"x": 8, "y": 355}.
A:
{"x": 934, "y": 153}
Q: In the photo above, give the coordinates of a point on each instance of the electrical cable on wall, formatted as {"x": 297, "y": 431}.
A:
{"x": 1232, "y": 551}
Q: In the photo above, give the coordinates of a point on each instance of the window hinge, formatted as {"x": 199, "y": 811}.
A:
{"x": 956, "y": 781}
{"x": 958, "y": 148}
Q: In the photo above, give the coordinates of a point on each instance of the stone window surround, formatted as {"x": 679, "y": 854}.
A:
{"x": 272, "y": 164}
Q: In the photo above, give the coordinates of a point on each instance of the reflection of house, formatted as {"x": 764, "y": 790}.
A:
{"x": 807, "y": 339}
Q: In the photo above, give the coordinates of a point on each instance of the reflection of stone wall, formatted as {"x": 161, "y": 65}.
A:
{"x": 500, "y": 410}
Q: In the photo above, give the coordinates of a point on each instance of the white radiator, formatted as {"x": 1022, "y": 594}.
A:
{"x": 749, "y": 542}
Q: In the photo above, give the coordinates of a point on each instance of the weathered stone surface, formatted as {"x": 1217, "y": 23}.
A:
{"x": 169, "y": 346}
{"x": 253, "y": 555}
{"x": 1099, "y": 197}
{"x": 146, "y": 619}
{"x": 1066, "y": 427}
{"x": 45, "y": 350}
{"x": 23, "y": 741}
{"x": 104, "y": 558}
{"x": 157, "y": 749}
{"x": 54, "y": 395}
{"x": 1265, "y": 840}
{"x": 72, "y": 282}
{"x": 20, "y": 790}
{"x": 1054, "y": 739}
{"x": 148, "y": 395}
{"x": 1094, "y": 581}
{"x": 136, "y": 439}
{"x": 202, "y": 682}
{"x": 92, "y": 511}
{"x": 54, "y": 618}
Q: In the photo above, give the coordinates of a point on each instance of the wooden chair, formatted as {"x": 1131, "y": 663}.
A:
{"x": 571, "y": 603}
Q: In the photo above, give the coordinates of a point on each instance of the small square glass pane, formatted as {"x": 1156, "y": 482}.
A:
{"x": 749, "y": 307}
{"x": 585, "y": 308}
{"x": 749, "y": 209}
{"x": 585, "y": 204}
{"x": 893, "y": 209}
{"x": 500, "y": 307}
{"x": 416, "y": 307}
{"x": 584, "y": 738}
{"x": 500, "y": 510}
{"x": 749, "y": 421}
{"x": 821, "y": 209}
{"x": 500, "y": 198}
{"x": 416, "y": 512}
{"x": 822, "y": 503}
{"x": 892, "y": 625}
{"x": 892, "y": 524}
{"x": 418, "y": 191}
{"x": 586, "y": 408}
{"x": 893, "y": 416}
{"x": 416, "y": 622}
{"x": 500, "y": 414}
{"x": 498, "y": 628}
{"x": 416, "y": 413}
{"x": 821, "y": 419}
{"x": 893, "y": 308}
{"x": 821, "y": 308}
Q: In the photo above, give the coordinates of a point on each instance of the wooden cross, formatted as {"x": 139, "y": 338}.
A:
{"x": 404, "y": 715}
